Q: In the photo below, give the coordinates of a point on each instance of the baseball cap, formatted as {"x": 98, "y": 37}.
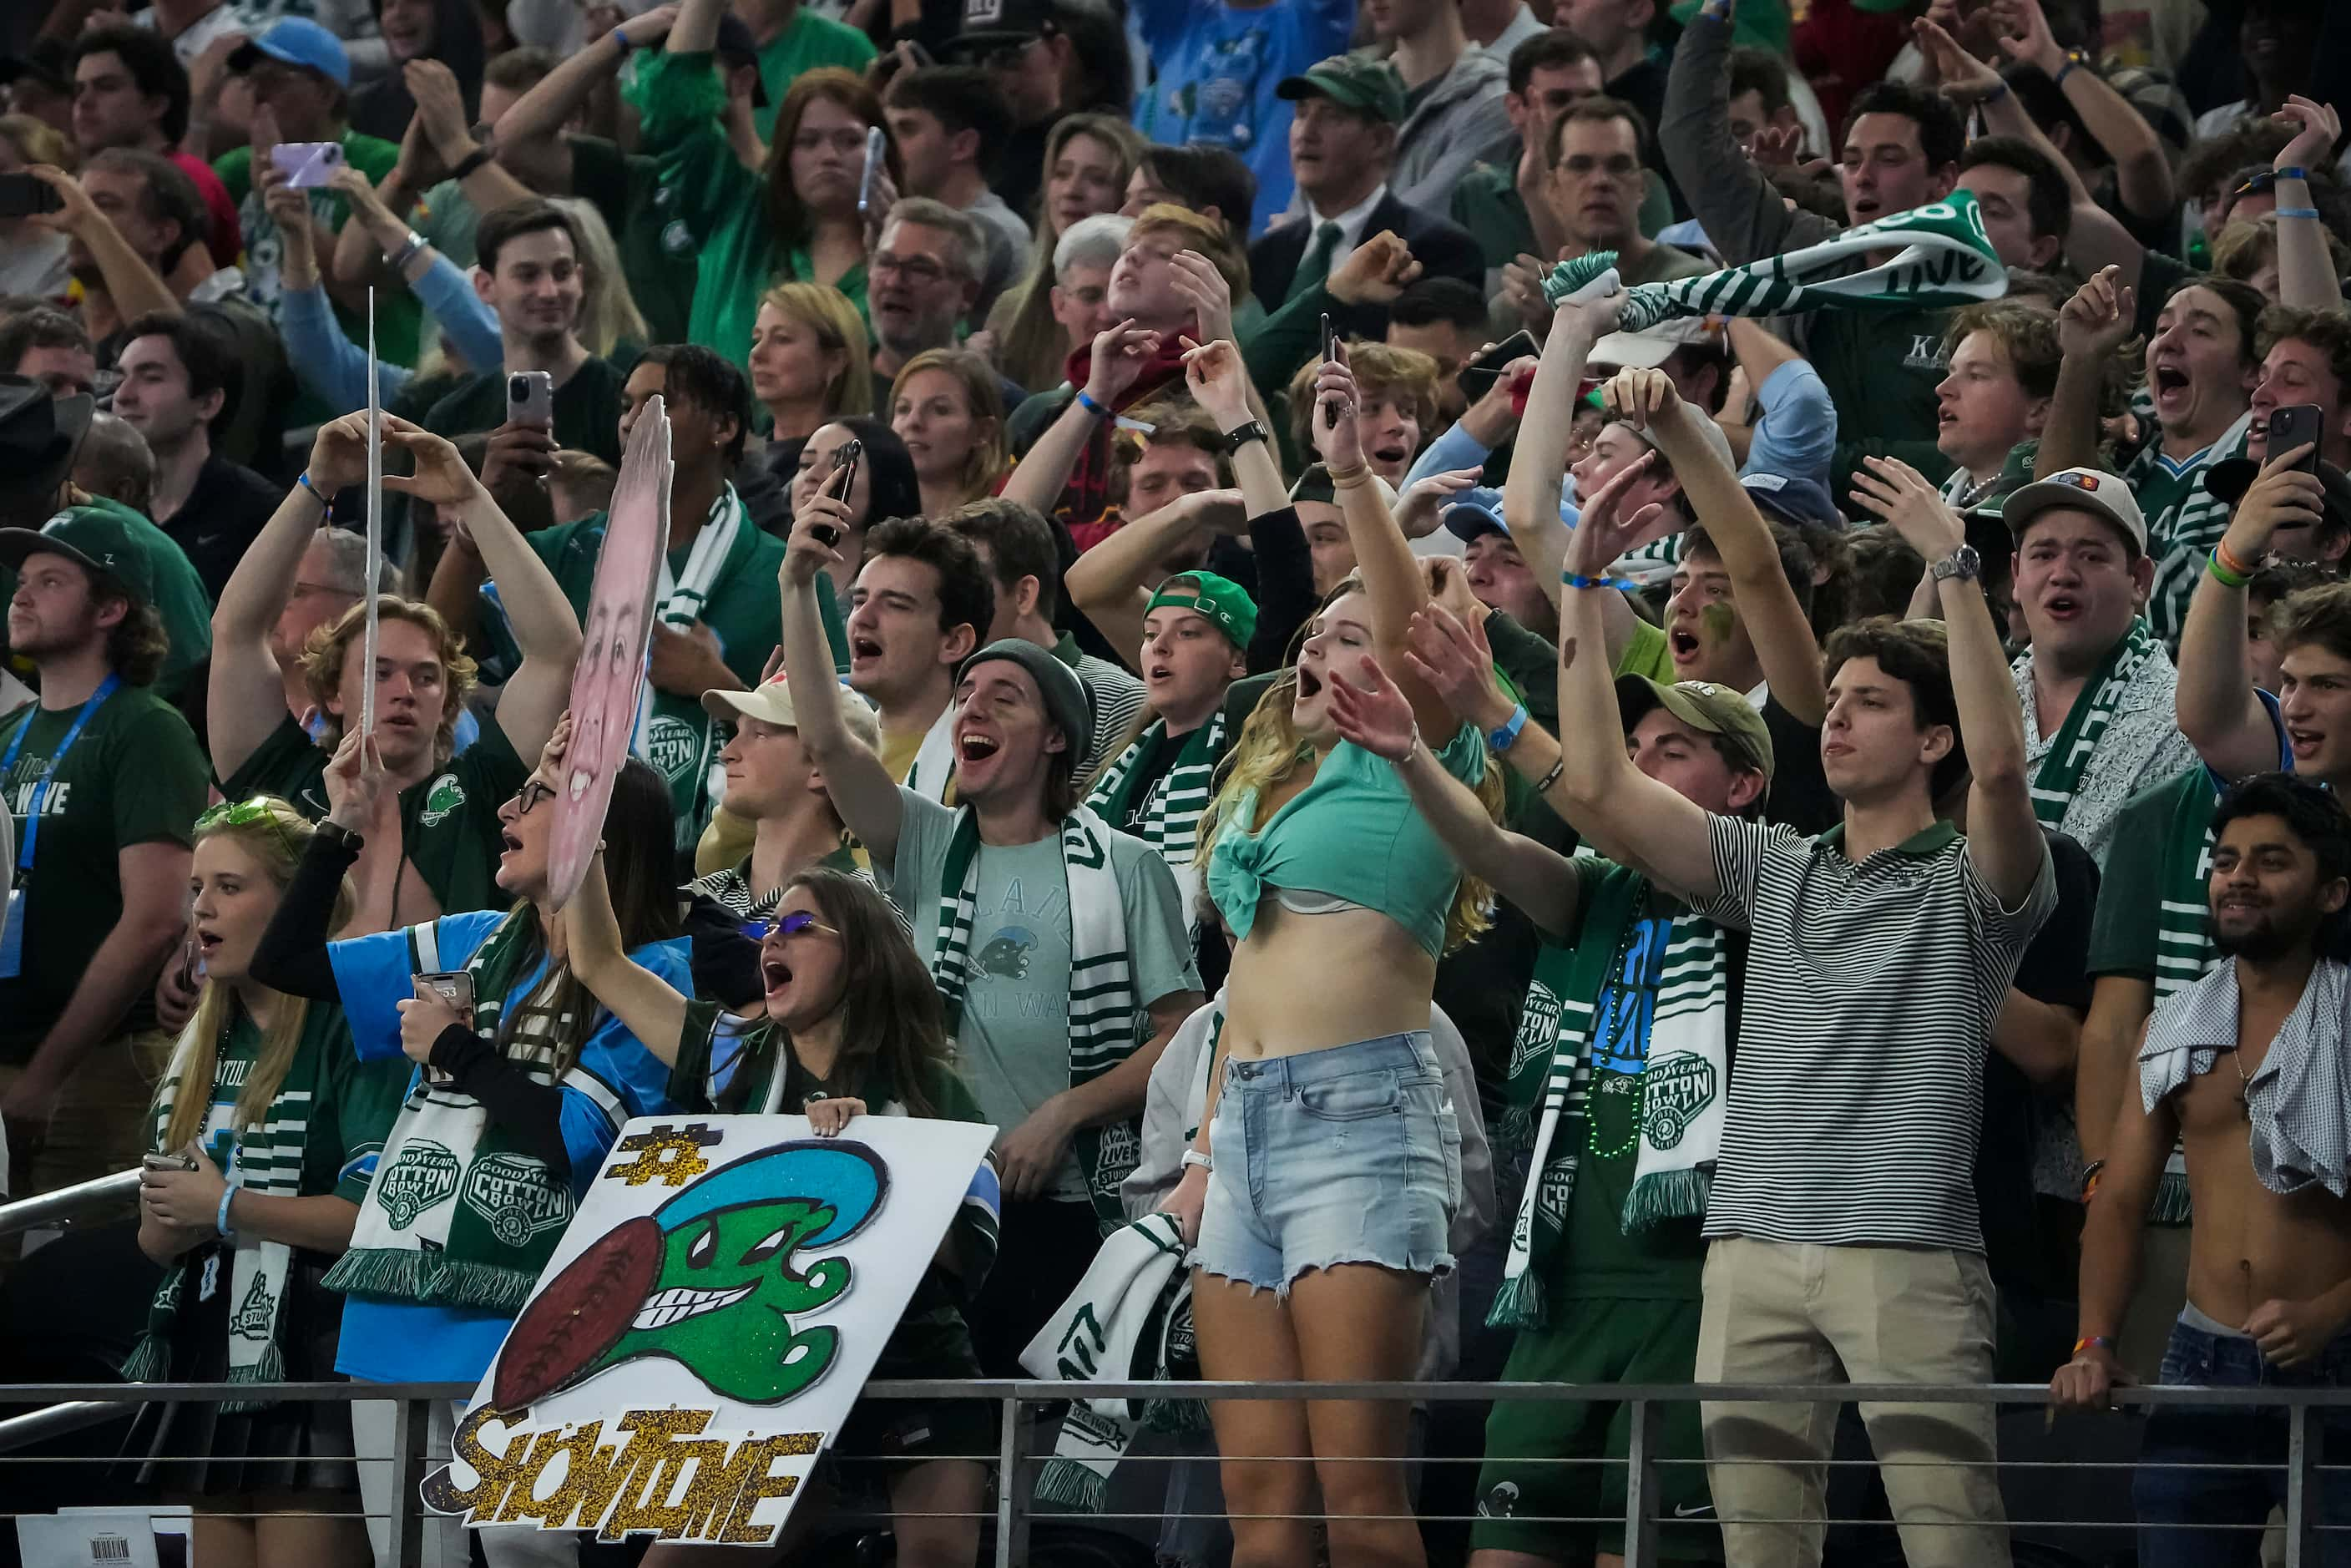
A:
{"x": 39, "y": 435}
{"x": 1066, "y": 702}
{"x": 92, "y": 536}
{"x": 1219, "y": 601}
{"x": 1652, "y": 346}
{"x": 1703, "y": 706}
{"x": 1352, "y": 81}
{"x": 1474, "y": 513}
{"x": 298, "y": 41}
{"x": 43, "y": 63}
{"x": 772, "y": 703}
{"x": 993, "y": 24}
{"x": 1759, "y": 23}
{"x": 1792, "y": 497}
{"x": 2091, "y": 490}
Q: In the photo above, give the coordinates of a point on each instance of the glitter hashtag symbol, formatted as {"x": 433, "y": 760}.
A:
{"x": 670, "y": 1156}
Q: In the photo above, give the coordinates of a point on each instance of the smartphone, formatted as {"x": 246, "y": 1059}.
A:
{"x": 877, "y": 147}
{"x": 308, "y": 165}
{"x": 844, "y": 462}
{"x": 530, "y": 398}
{"x": 21, "y": 195}
{"x": 1478, "y": 376}
{"x": 1330, "y": 339}
{"x": 168, "y": 1162}
{"x": 455, "y": 987}
{"x": 2294, "y": 426}
{"x": 192, "y": 964}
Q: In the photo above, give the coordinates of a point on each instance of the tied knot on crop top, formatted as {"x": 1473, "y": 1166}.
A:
{"x": 1352, "y": 838}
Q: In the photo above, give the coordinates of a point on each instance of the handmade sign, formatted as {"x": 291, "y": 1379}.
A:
{"x": 1940, "y": 256}
{"x": 609, "y": 680}
{"x": 374, "y": 533}
{"x": 706, "y": 1323}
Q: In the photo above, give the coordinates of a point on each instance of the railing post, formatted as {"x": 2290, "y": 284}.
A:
{"x": 1016, "y": 1436}
{"x": 2304, "y": 1443}
{"x": 1641, "y": 1485}
{"x": 411, "y": 1418}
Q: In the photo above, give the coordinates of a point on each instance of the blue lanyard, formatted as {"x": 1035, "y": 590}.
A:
{"x": 106, "y": 689}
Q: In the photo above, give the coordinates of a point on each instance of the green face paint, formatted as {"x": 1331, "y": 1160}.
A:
{"x": 1718, "y": 620}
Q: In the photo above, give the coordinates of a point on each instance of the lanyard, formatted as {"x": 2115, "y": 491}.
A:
{"x": 106, "y": 689}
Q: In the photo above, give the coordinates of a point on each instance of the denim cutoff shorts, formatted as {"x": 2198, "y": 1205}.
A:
{"x": 1347, "y": 1155}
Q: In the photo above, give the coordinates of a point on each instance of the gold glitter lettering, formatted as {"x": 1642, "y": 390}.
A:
{"x": 760, "y": 1484}
{"x": 496, "y": 1472}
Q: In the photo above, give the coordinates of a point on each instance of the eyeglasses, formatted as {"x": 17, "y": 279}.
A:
{"x": 922, "y": 269}
{"x": 533, "y": 791}
{"x": 797, "y": 923}
{"x": 263, "y": 809}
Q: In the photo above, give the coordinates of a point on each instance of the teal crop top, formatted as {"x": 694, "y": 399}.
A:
{"x": 1352, "y": 834}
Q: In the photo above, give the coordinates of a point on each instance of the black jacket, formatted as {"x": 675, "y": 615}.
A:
{"x": 1443, "y": 250}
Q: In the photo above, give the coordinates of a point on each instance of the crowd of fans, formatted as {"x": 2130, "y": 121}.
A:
{"x": 1731, "y": 853}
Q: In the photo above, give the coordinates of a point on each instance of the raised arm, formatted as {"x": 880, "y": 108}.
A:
{"x": 2306, "y": 270}
{"x": 2091, "y": 328}
{"x": 1782, "y": 633}
{"x": 695, "y": 31}
{"x": 441, "y": 114}
{"x": 246, "y": 694}
{"x": 1743, "y": 212}
{"x": 2220, "y": 712}
{"x": 544, "y": 627}
{"x": 1120, "y": 352}
{"x": 2142, "y": 168}
{"x": 2003, "y": 836}
{"x": 135, "y": 287}
{"x": 2141, "y": 1142}
{"x": 647, "y": 1006}
{"x": 530, "y": 135}
{"x": 1112, "y": 583}
{"x": 863, "y": 790}
{"x": 1371, "y": 711}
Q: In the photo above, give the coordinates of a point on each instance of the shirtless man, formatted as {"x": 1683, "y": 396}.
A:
{"x": 2244, "y": 1069}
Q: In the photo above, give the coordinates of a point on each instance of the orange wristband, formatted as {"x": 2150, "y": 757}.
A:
{"x": 2228, "y": 558}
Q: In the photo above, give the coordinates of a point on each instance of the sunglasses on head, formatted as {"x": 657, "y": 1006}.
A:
{"x": 244, "y": 814}
{"x": 792, "y": 924}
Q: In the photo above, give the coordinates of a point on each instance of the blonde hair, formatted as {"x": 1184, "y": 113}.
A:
{"x": 825, "y": 311}
{"x": 1206, "y": 235}
{"x": 1029, "y": 342}
{"x": 1406, "y": 374}
{"x": 38, "y": 141}
{"x": 989, "y": 456}
{"x": 1269, "y": 749}
{"x": 607, "y": 311}
{"x": 276, "y": 842}
{"x": 323, "y": 656}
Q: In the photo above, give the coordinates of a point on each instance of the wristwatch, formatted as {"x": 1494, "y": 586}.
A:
{"x": 1962, "y": 562}
{"x": 1240, "y": 435}
{"x": 340, "y": 837}
{"x": 1502, "y": 739}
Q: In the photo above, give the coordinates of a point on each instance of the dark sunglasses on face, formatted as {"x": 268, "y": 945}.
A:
{"x": 792, "y": 924}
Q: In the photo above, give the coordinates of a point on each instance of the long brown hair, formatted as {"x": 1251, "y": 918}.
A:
{"x": 890, "y": 1013}
{"x": 275, "y": 842}
{"x": 1030, "y": 343}
{"x": 789, "y": 222}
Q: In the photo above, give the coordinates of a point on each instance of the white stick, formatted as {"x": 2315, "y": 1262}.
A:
{"x": 374, "y": 529}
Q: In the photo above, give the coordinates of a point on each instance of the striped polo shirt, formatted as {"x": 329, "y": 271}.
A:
{"x": 1858, "y": 1093}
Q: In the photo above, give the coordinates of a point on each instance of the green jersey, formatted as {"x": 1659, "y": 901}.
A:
{"x": 449, "y": 827}
{"x": 2146, "y": 927}
{"x": 355, "y": 1105}
{"x": 2184, "y": 521}
{"x": 657, "y": 251}
{"x": 807, "y": 42}
{"x": 133, "y": 775}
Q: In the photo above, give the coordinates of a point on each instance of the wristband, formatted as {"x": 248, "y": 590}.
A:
{"x": 2225, "y": 574}
{"x": 1502, "y": 739}
{"x": 1240, "y": 435}
{"x": 2228, "y": 559}
{"x": 2088, "y": 1340}
{"x": 408, "y": 252}
{"x": 1542, "y": 785}
{"x": 2290, "y": 171}
{"x": 1999, "y": 90}
{"x": 1086, "y": 401}
{"x": 305, "y": 482}
{"x": 2073, "y": 63}
{"x": 1349, "y": 478}
{"x": 2309, "y": 213}
{"x": 2091, "y": 1174}
{"x": 220, "y": 1220}
{"x": 468, "y": 163}
{"x": 1195, "y": 1157}
{"x": 1575, "y": 579}
{"x": 622, "y": 39}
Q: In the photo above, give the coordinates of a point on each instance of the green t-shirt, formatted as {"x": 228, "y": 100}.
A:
{"x": 743, "y": 610}
{"x": 349, "y": 1115}
{"x": 449, "y": 822}
{"x": 1881, "y": 370}
{"x": 1598, "y": 1258}
{"x": 931, "y": 1338}
{"x": 133, "y": 776}
{"x": 179, "y": 600}
{"x": 587, "y": 409}
{"x": 2127, "y": 934}
{"x": 1013, "y": 1040}
{"x": 657, "y": 250}
{"x": 811, "y": 41}
{"x": 1647, "y": 653}
{"x": 399, "y": 318}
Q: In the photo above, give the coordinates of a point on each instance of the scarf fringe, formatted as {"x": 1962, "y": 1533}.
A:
{"x": 150, "y": 1359}
{"x": 413, "y": 1277}
{"x": 2171, "y": 1206}
{"x": 1184, "y": 1417}
{"x": 1069, "y": 1484}
{"x": 1518, "y": 1304}
{"x": 1666, "y": 1195}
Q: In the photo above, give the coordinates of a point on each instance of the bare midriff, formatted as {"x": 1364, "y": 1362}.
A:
{"x": 1307, "y": 982}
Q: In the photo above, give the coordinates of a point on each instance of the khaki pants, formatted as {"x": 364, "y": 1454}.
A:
{"x": 101, "y": 1125}
{"x": 1780, "y": 1313}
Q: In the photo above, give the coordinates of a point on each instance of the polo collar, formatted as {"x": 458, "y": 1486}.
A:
{"x": 1925, "y": 844}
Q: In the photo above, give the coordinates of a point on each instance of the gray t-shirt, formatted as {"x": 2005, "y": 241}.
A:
{"x": 1012, "y": 1045}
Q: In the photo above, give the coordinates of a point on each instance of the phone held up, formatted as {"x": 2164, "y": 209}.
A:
{"x": 22, "y": 196}
{"x": 1478, "y": 376}
{"x": 877, "y": 147}
{"x": 844, "y": 463}
{"x": 308, "y": 165}
{"x": 2298, "y": 424}
{"x": 530, "y": 398}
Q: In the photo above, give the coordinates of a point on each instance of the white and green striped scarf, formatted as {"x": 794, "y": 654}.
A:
{"x": 2085, "y": 724}
{"x": 1685, "y": 1083}
{"x": 1106, "y": 1023}
{"x": 2184, "y": 952}
{"x": 1170, "y": 819}
{"x": 1943, "y": 257}
{"x": 267, "y": 1160}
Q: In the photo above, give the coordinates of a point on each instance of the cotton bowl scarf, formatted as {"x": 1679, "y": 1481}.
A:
{"x": 1943, "y": 256}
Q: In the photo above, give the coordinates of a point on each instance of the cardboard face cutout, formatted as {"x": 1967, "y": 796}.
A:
{"x": 609, "y": 680}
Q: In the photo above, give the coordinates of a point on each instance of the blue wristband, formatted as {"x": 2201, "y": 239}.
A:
{"x": 1498, "y": 741}
{"x": 1571, "y": 579}
{"x": 2289, "y": 172}
{"x": 622, "y": 39}
{"x": 2309, "y": 213}
{"x": 220, "y": 1220}
{"x": 305, "y": 482}
{"x": 1091, "y": 407}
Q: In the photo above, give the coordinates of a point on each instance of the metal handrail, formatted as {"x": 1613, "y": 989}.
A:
{"x": 69, "y": 1202}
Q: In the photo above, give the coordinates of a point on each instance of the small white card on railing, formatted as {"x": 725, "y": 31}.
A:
{"x": 708, "y": 1320}
{"x": 106, "y": 1538}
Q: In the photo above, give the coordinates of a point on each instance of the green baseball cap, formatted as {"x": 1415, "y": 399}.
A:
{"x": 1758, "y": 23}
{"x": 1219, "y": 601}
{"x": 1702, "y": 705}
{"x": 93, "y": 537}
{"x": 1359, "y": 82}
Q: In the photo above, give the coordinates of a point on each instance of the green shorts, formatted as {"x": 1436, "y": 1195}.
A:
{"x": 1529, "y": 1501}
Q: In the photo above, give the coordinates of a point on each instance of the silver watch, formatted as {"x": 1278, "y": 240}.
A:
{"x": 1962, "y": 562}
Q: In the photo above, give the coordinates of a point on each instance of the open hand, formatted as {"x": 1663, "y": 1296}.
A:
{"x": 2025, "y": 36}
{"x": 1452, "y": 657}
{"x": 1370, "y": 710}
{"x": 1963, "y": 79}
{"x": 1120, "y": 353}
{"x": 1424, "y": 501}
{"x": 1601, "y": 536}
{"x": 1200, "y": 284}
{"x": 440, "y": 108}
{"x": 2316, "y": 129}
{"x": 1900, "y": 495}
